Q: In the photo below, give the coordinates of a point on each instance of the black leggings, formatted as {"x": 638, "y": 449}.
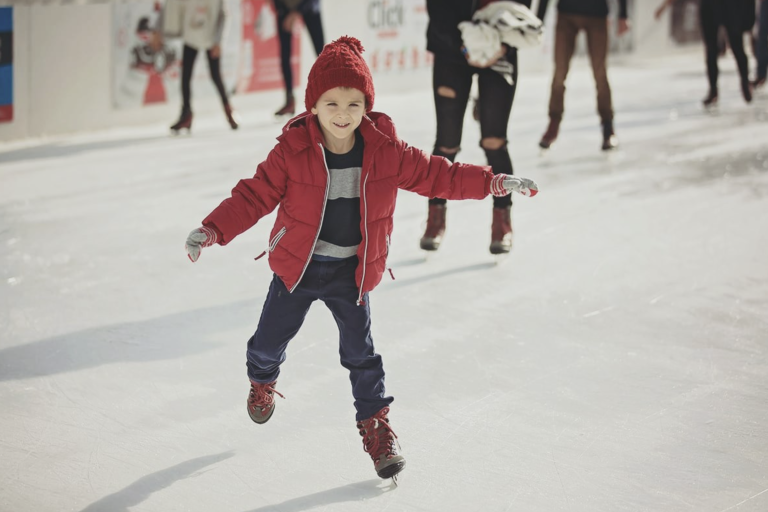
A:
{"x": 723, "y": 12}
{"x": 187, "y": 63}
{"x": 494, "y": 106}
{"x": 314, "y": 27}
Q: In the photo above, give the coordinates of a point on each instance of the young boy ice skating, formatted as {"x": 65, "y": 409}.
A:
{"x": 334, "y": 174}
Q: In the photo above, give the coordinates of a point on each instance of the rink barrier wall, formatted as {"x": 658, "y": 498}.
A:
{"x": 62, "y": 60}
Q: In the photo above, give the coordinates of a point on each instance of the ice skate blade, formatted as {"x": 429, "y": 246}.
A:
{"x": 178, "y": 132}
{"x": 392, "y": 471}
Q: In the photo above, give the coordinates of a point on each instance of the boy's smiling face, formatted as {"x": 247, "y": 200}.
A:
{"x": 340, "y": 111}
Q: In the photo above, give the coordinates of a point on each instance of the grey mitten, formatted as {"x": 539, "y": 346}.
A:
{"x": 197, "y": 239}
{"x": 503, "y": 184}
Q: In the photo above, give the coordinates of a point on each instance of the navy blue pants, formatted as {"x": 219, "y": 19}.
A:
{"x": 333, "y": 282}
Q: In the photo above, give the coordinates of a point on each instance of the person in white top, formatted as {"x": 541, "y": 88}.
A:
{"x": 200, "y": 24}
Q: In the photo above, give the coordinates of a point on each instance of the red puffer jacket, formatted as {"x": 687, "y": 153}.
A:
{"x": 295, "y": 176}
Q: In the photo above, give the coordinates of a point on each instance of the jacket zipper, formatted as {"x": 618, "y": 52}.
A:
{"x": 322, "y": 216}
{"x": 365, "y": 252}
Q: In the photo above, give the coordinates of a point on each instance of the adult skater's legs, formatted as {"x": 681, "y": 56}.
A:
{"x": 709, "y": 25}
{"x": 314, "y": 25}
{"x": 286, "y": 42}
{"x": 494, "y": 108}
{"x": 214, "y": 66}
{"x": 451, "y": 83}
{"x": 597, "y": 45}
{"x": 762, "y": 45}
{"x": 188, "y": 58}
{"x": 734, "y": 26}
{"x": 566, "y": 30}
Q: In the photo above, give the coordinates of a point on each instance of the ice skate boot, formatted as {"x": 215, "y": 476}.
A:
{"x": 746, "y": 90}
{"x": 288, "y": 109}
{"x": 380, "y": 442}
{"x": 261, "y": 401}
{"x": 433, "y": 235}
{"x": 550, "y": 135}
{"x": 185, "y": 121}
{"x": 710, "y": 101}
{"x": 231, "y": 117}
{"x": 501, "y": 230}
{"x": 610, "y": 141}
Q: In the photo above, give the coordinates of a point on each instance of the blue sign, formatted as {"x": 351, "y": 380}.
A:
{"x": 6, "y": 64}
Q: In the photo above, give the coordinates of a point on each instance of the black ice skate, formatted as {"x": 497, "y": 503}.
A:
{"x": 710, "y": 101}
{"x": 261, "y": 401}
{"x": 610, "y": 141}
{"x": 380, "y": 442}
{"x": 185, "y": 121}
{"x": 746, "y": 90}
{"x": 433, "y": 235}
{"x": 231, "y": 117}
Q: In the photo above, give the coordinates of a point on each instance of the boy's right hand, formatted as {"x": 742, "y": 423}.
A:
{"x": 197, "y": 239}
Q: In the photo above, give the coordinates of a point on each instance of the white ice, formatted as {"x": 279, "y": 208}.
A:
{"x": 616, "y": 361}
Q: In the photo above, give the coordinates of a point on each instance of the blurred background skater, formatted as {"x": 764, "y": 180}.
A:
{"x": 762, "y": 45}
{"x": 591, "y": 16}
{"x": 737, "y": 17}
{"x": 288, "y": 13}
{"x": 200, "y": 24}
{"x": 467, "y": 38}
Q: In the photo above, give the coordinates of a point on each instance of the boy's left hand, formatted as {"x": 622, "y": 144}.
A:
{"x": 503, "y": 184}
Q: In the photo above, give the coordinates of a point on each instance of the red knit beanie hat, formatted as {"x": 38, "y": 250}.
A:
{"x": 340, "y": 64}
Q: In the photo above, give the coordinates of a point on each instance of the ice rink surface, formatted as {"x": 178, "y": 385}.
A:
{"x": 615, "y": 361}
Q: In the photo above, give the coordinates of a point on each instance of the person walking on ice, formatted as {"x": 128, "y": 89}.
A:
{"x": 334, "y": 176}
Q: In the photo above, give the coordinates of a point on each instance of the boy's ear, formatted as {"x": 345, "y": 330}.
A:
{"x": 313, "y": 110}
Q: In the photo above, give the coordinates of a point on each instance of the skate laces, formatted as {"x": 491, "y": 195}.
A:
{"x": 378, "y": 436}
{"x": 262, "y": 395}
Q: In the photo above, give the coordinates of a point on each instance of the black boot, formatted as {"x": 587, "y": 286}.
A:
{"x": 185, "y": 121}
{"x": 231, "y": 118}
{"x": 610, "y": 141}
{"x": 746, "y": 90}
{"x": 710, "y": 100}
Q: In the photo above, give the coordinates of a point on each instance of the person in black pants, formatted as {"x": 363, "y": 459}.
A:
{"x": 737, "y": 16}
{"x": 200, "y": 24}
{"x": 288, "y": 12}
{"x": 452, "y": 84}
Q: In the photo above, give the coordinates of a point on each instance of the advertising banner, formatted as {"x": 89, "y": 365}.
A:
{"x": 250, "y": 58}
{"x": 6, "y": 64}
{"x": 259, "y": 64}
{"x": 396, "y": 36}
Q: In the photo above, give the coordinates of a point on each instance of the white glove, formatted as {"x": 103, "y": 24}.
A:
{"x": 197, "y": 239}
{"x": 482, "y": 43}
{"x": 518, "y": 27}
{"x": 503, "y": 184}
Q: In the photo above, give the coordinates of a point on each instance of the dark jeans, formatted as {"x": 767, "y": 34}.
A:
{"x": 494, "y": 107}
{"x": 187, "y": 64}
{"x": 762, "y": 42}
{"x": 333, "y": 282}
{"x": 715, "y": 13}
{"x": 596, "y": 29}
{"x": 314, "y": 27}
